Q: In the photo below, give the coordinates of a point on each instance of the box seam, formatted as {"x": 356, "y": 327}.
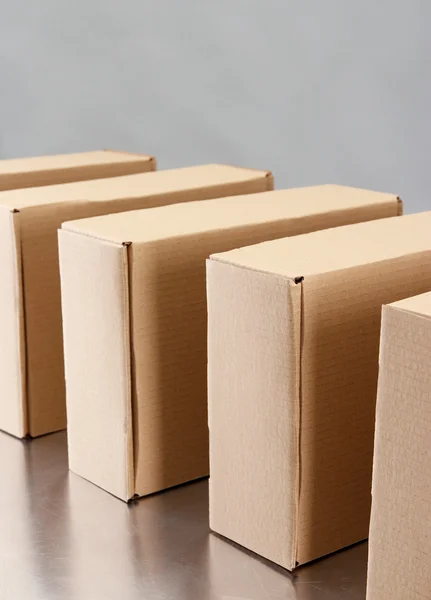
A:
{"x": 128, "y": 353}
{"x": 25, "y": 402}
{"x": 298, "y": 281}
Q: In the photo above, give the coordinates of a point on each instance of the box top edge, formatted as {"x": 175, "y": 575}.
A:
{"x": 135, "y": 185}
{"x": 318, "y": 252}
{"x": 419, "y": 305}
{"x": 210, "y": 216}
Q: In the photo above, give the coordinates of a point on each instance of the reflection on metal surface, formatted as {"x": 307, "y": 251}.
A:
{"x": 63, "y": 538}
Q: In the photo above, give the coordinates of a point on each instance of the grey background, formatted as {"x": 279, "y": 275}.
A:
{"x": 316, "y": 90}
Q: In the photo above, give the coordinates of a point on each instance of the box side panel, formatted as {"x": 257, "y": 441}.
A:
{"x": 95, "y": 302}
{"x": 169, "y": 333}
{"x": 253, "y": 392}
{"x": 341, "y": 328}
{"x": 399, "y": 564}
{"x": 167, "y": 283}
{"x": 73, "y": 173}
{"x": 42, "y": 308}
{"x": 13, "y": 418}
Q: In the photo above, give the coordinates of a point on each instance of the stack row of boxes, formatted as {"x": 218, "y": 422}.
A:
{"x": 194, "y": 321}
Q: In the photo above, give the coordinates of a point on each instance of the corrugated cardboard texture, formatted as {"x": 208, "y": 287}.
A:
{"x": 399, "y": 565}
{"x": 167, "y": 252}
{"x": 65, "y": 168}
{"x": 345, "y": 275}
{"x": 41, "y": 213}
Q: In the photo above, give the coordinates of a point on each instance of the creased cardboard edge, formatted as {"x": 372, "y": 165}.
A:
{"x": 385, "y": 312}
{"x": 409, "y": 311}
{"x": 151, "y": 159}
{"x": 297, "y": 296}
{"x": 22, "y": 330}
{"x": 269, "y": 177}
{"x": 128, "y": 354}
{"x": 19, "y": 289}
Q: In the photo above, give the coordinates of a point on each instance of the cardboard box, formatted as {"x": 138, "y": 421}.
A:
{"x": 293, "y": 359}
{"x": 399, "y": 564}
{"x": 32, "y": 401}
{"x": 64, "y": 168}
{"x": 134, "y": 318}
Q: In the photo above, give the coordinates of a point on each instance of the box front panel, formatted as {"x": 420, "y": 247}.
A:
{"x": 253, "y": 393}
{"x": 341, "y": 325}
{"x": 95, "y": 300}
{"x": 399, "y": 565}
{"x": 169, "y": 358}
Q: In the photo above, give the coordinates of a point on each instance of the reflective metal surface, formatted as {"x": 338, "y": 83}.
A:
{"x": 63, "y": 538}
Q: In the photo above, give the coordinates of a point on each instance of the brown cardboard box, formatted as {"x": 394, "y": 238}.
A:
{"x": 32, "y": 401}
{"x": 293, "y": 359}
{"x": 399, "y": 565}
{"x": 64, "y": 168}
{"x": 134, "y": 319}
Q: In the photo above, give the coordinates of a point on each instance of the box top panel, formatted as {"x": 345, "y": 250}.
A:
{"x": 197, "y": 217}
{"x": 66, "y": 161}
{"x": 336, "y": 249}
{"x": 130, "y": 186}
{"x": 420, "y": 305}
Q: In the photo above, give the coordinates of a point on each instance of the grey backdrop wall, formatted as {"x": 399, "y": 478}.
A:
{"x": 316, "y": 90}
